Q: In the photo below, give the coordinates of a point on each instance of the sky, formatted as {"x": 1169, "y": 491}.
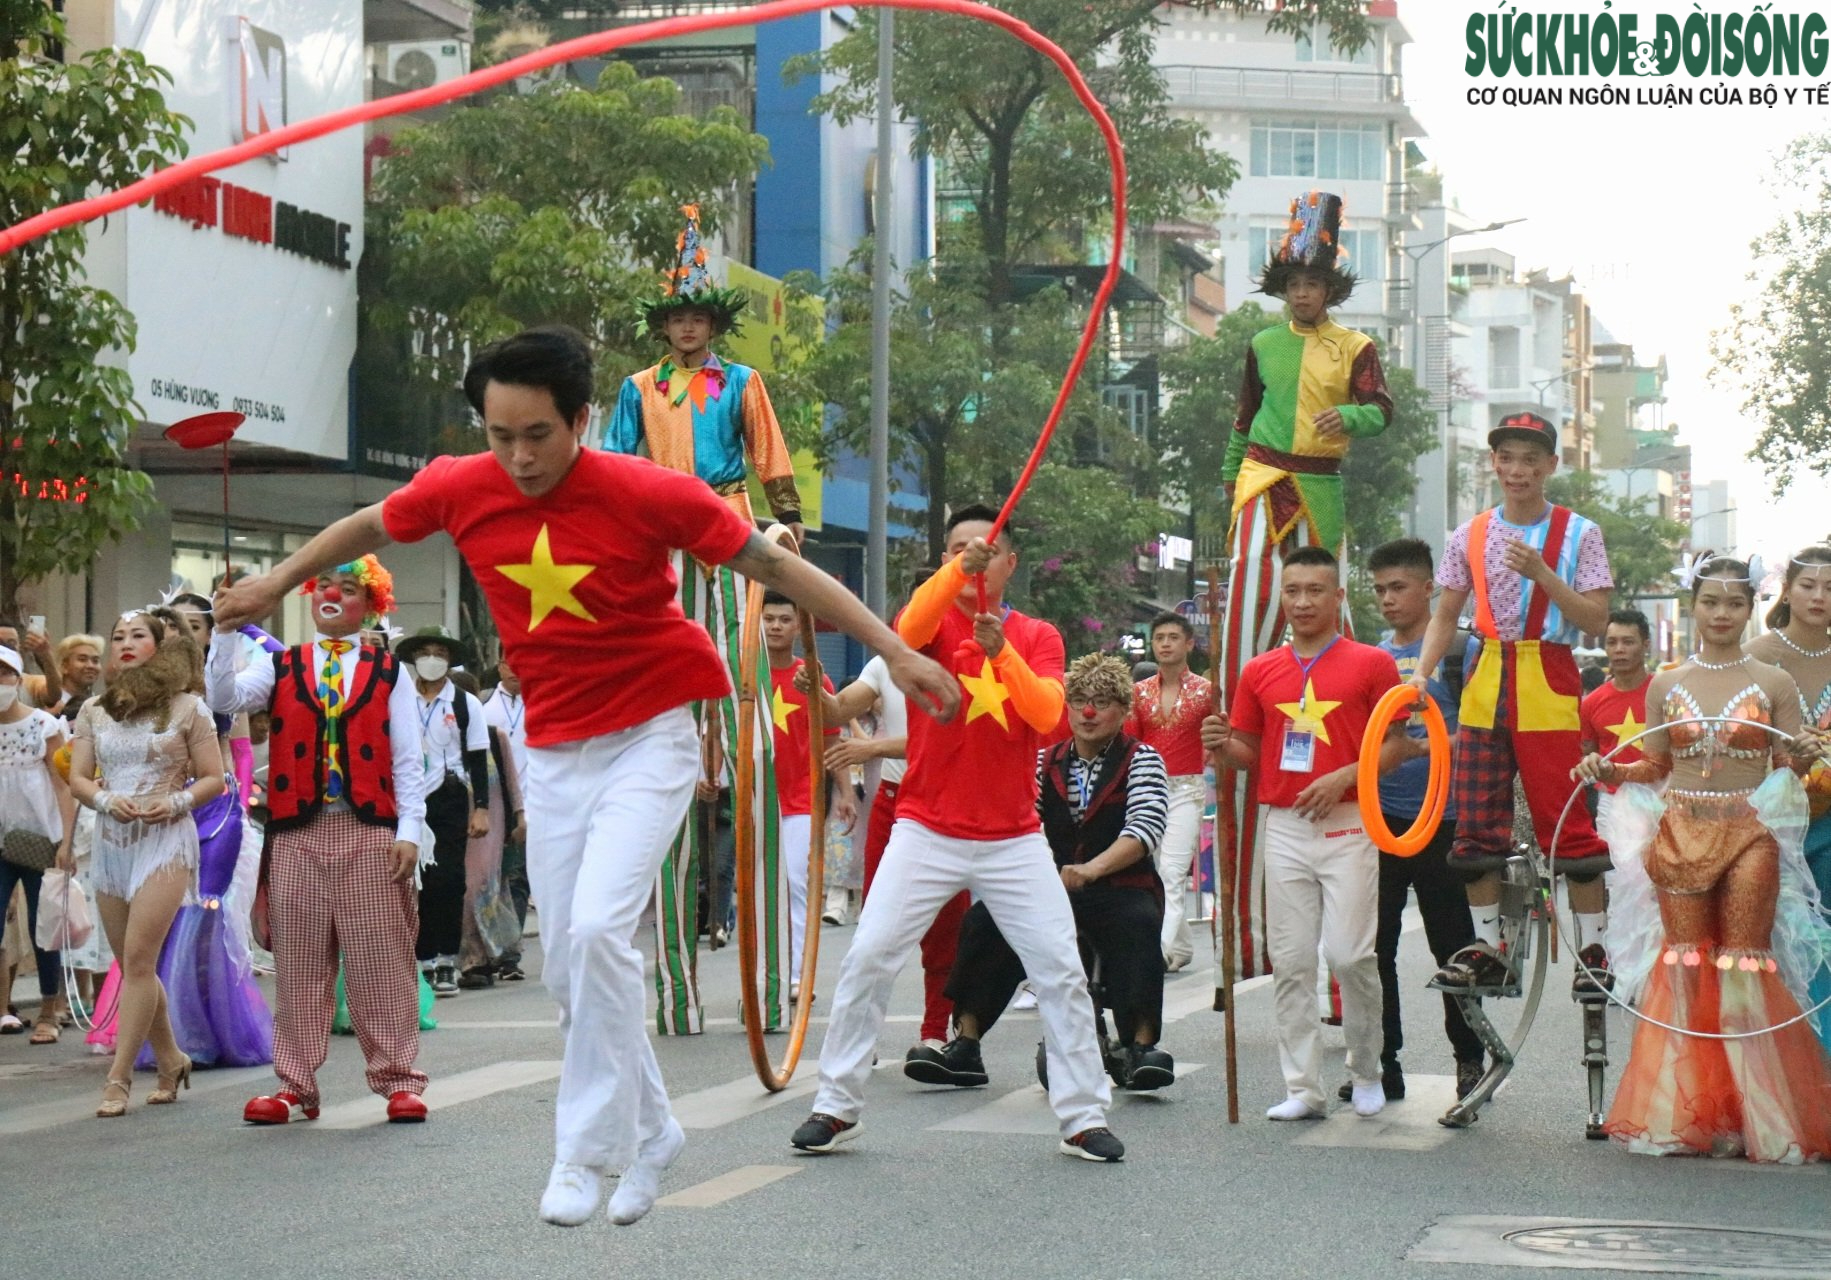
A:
{"x": 1650, "y": 208}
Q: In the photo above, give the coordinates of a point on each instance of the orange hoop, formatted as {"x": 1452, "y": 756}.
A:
{"x": 773, "y": 1077}
{"x": 1400, "y": 701}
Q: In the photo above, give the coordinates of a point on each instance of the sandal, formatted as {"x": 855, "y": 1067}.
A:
{"x": 112, "y": 1107}
{"x": 168, "y": 1093}
{"x": 10, "y": 1024}
{"x": 44, "y": 1028}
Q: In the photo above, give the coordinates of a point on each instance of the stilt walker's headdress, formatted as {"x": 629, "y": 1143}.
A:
{"x": 1311, "y": 244}
{"x": 690, "y": 285}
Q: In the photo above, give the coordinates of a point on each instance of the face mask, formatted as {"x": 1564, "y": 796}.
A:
{"x": 9, "y": 694}
{"x": 430, "y": 667}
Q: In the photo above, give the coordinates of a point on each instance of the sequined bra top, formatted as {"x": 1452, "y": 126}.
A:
{"x": 1718, "y": 740}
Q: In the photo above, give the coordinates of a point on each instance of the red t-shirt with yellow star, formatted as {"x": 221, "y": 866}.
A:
{"x": 1334, "y": 702}
{"x": 974, "y": 778}
{"x": 1608, "y": 715}
{"x": 579, "y": 583}
{"x": 788, "y": 708}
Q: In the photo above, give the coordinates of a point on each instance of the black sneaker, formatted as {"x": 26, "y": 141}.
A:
{"x": 476, "y": 978}
{"x": 1148, "y": 1067}
{"x": 1593, "y": 976}
{"x": 444, "y": 981}
{"x": 510, "y": 971}
{"x": 820, "y": 1133}
{"x": 1476, "y": 965}
{"x": 1097, "y": 1145}
{"x": 958, "y": 1062}
{"x": 1468, "y": 1075}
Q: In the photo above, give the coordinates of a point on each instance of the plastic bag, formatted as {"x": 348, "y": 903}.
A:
{"x": 64, "y": 918}
{"x": 496, "y": 922}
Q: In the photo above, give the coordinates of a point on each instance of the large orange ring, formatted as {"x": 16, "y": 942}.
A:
{"x": 1397, "y": 702}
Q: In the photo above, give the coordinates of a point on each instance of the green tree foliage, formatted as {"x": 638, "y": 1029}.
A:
{"x": 66, "y": 415}
{"x": 1773, "y": 348}
{"x": 559, "y": 206}
{"x": 1642, "y": 547}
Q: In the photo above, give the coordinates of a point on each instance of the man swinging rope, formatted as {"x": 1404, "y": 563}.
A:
{"x": 1311, "y": 387}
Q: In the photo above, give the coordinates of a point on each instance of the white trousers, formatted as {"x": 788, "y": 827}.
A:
{"x": 1322, "y": 884}
{"x": 796, "y": 828}
{"x": 1019, "y": 884}
{"x": 1182, "y": 838}
{"x": 601, "y": 815}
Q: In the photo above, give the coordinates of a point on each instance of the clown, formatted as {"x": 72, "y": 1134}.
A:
{"x": 346, "y": 805}
{"x": 1311, "y": 388}
{"x": 701, "y": 415}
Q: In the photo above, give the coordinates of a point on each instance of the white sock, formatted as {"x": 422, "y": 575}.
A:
{"x": 1487, "y": 923}
{"x": 1592, "y": 927}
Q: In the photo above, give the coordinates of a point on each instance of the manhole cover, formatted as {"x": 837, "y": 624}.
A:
{"x": 1659, "y": 1248}
{"x": 1781, "y": 1253}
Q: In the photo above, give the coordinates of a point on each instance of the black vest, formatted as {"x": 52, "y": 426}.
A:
{"x": 1075, "y": 842}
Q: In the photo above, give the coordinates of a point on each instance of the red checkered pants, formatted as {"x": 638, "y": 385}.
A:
{"x": 328, "y": 890}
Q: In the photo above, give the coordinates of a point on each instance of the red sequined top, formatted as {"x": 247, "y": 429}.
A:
{"x": 1178, "y": 736}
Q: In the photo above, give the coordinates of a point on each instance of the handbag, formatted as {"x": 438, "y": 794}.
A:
{"x": 64, "y": 919}
{"x": 28, "y": 850}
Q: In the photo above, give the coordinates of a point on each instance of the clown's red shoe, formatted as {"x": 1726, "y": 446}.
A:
{"x": 406, "y": 1108}
{"x": 277, "y": 1108}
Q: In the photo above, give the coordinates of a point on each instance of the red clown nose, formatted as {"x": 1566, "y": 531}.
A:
{"x": 333, "y": 595}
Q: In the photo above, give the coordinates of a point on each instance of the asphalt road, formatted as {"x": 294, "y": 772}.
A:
{"x": 942, "y": 1182}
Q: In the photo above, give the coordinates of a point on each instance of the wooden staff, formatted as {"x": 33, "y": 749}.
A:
{"x": 1223, "y": 856}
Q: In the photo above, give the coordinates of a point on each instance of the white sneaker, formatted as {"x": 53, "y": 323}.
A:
{"x": 1369, "y": 1097}
{"x": 572, "y": 1194}
{"x": 1294, "y": 1109}
{"x": 1176, "y": 964}
{"x": 1025, "y": 999}
{"x": 637, "y": 1188}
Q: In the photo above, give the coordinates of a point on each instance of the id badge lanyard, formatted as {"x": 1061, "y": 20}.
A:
{"x": 1299, "y": 753}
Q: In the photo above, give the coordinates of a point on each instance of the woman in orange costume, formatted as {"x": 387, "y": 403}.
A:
{"x": 1738, "y": 931}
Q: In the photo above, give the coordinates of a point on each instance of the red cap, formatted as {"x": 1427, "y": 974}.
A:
{"x": 1524, "y": 426}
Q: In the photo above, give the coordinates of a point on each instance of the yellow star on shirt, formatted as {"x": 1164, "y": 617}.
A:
{"x": 1627, "y": 728}
{"x": 1311, "y": 714}
{"x": 781, "y": 708}
{"x": 549, "y": 585}
{"x": 989, "y": 696}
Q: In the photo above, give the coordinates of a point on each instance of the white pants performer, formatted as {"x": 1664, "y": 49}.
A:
{"x": 796, "y": 828}
{"x": 1182, "y": 839}
{"x": 1018, "y": 882}
{"x": 601, "y": 816}
{"x": 1322, "y": 884}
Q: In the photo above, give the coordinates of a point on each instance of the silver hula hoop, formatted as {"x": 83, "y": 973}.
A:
{"x": 1608, "y": 987}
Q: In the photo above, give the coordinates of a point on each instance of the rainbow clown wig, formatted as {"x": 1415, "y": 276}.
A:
{"x": 376, "y": 581}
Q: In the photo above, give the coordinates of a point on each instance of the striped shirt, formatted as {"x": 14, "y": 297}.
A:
{"x": 1147, "y": 792}
{"x": 1582, "y": 562}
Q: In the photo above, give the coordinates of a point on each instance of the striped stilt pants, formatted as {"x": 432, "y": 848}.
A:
{"x": 717, "y": 601}
{"x": 1254, "y": 622}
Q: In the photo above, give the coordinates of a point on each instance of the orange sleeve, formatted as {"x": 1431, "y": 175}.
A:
{"x": 1038, "y": 699}
{"x": 921, "y": 619}
{"x": 763, "y": 434}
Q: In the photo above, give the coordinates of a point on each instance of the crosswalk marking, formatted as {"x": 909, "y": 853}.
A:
{"x": 1407, "y": 1125}
{"x": 446, "y": 1091}
{"x": 724, "y": 1103}
{"x": 1026, "y": 1110}
{"x": 728, "y": 1186}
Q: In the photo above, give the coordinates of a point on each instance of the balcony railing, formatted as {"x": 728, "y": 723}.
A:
{"x": 1227, "y": 86}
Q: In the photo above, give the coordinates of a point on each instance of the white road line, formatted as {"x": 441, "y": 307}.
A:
{"x": 446, "y": 1091}
{"x": 724, "y": 1103}
{"x": 728, "y": 1186}
{"x": 1408, "y": 1125}
{"x": 1026, "y": 1110}
{"x": 49, "y": 1115}
{"x": 530, "y": 1024}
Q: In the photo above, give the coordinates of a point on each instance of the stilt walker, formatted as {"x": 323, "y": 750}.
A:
{"x": 704, "y": 416}
{"x": 1311, "y": 388}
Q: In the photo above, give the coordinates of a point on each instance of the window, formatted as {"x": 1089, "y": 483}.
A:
{"x": 1317, "y": 47}
{"x": 1308, "y": 149}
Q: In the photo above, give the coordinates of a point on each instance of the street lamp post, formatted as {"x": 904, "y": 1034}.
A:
{"x": 1439, "y": 473}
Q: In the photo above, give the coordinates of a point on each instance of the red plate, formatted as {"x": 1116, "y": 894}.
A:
{"x": 204, "y": 430}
